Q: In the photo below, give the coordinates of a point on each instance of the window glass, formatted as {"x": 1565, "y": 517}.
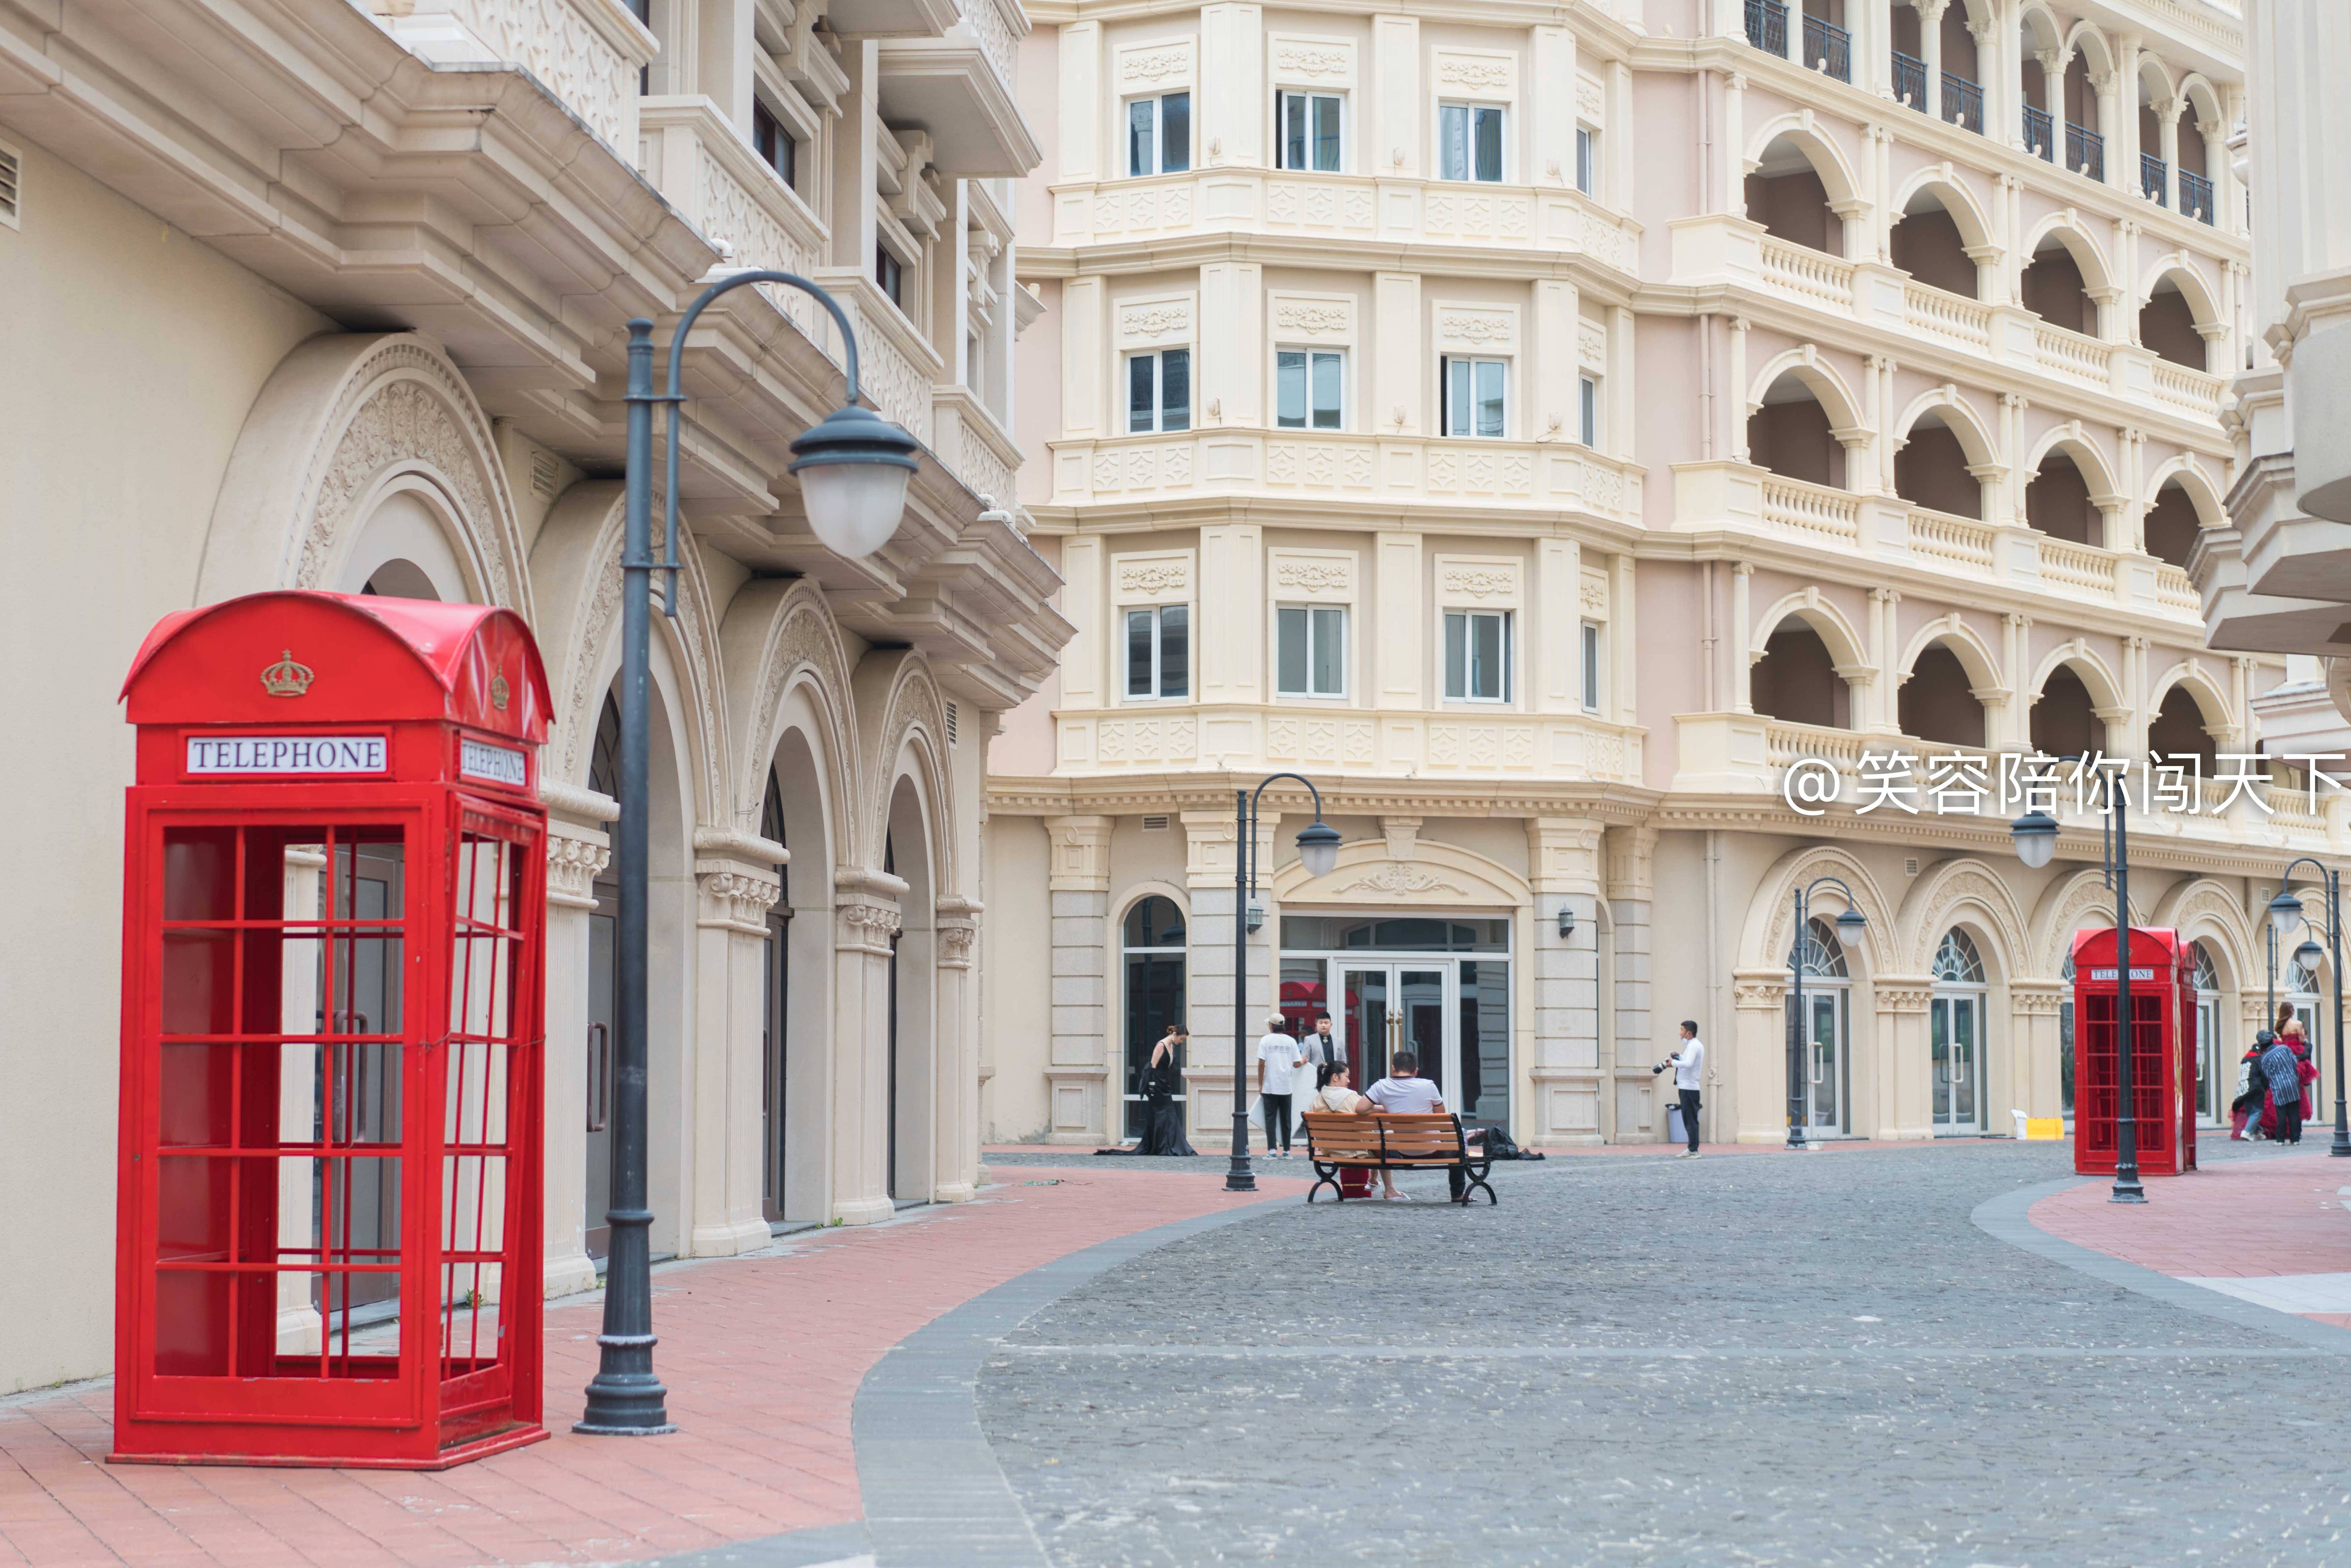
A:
{"x": 1491, "y": 379}
{"x": 1175, "y": 651}
{"x": 1289, "y": 649}
{"x": 1141, "y": 641}
{"x": 1310, "y": 650}
{"x": 1307, "y": 389}
{"x": 890, "y": 274}
{"x": 1485, "y": 656}
{"x": 1330, "y": 626}
{"x": 1142, "y": 136}
{"x": 1175, "y": 134}
{"x": 1475, "y": 394}
{"x": 1590, "y": 391}
{"x": 1326, "y": 133}
{"x": 773, "y": 142}
{"x": 1141, "y": 392}
{"x": 1457, "y": 656}
{"x": 1591, "y": 667}
{"x": 1159, "y": 391}
{"x": 1486, "y": 130}
{"x": 1453, "y": 141}
{"x": 1478, "y": 655}
{"x": 1586, "y": 140}
{"x": 1327, "y": 379}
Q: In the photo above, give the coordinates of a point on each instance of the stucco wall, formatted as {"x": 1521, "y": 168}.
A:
{"x": 152, "y": 349}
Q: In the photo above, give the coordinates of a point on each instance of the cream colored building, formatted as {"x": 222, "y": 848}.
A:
{"x": 1545, "y": 426}
{"x": 320, "y": 294}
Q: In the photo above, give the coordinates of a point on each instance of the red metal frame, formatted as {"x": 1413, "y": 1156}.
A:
{"x": 350, "y": 937}
{"x": 2163, "y": 1050}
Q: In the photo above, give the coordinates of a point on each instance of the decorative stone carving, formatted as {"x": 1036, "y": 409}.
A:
{"x": 1306, "y": 318}
{"x": 1591, "y": 345}
{"x": 1155, "y": 577}
{"x": 1477, "y": 328}
{"x": 1595, "y": 596}
{"x": 736, "y": 895}
{"x": 1403, "y": 834}
{"x": 1480, "y": 582}
{"x": 1590, "y": 101}
{"x": 572, "y": 866}
{"x": 1311, "y": 61}
{"x": 955, "y": 943}
{"x": 1475, "y": 73}
{"x": 1156, "y": 320}
{"x": 1332, "y": 576}
{"x": 1393, "y": 880}
{"x": 1152, "y": 66}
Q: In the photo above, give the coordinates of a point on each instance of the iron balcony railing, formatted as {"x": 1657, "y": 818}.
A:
{"x": 1767, "y": 25}
{"x": 2154, "y": 180}
{"x": 1963, "y": 103}
{"x": 2039, "y": 133}
{"x": 1911, "y": 80}
{"x": 2086, "y": 151}
{"x": 1828, "y": 48}
{"x": 2195, "y": 197}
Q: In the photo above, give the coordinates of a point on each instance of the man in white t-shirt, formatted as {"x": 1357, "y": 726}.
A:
{"x": 1690, "y": 1065}
{"x": 1405, "y": 1093}
{"x": 1277, "y": 1058}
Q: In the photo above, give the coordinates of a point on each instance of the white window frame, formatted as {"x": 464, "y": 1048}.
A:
{"x": 1471, "y": 109}
{"x": 1444, "y": 400}
{"x": 1591, "y": 650}
{"x": 1308, "y": 355}
{"x": 1470, "y": 671}
{"x": 1159, "y": 405}
{"x": 1158, "y": 101}
{"x": 1587, "y": 160}
{"x": 1587, "y": 392}
{"x": 1315, "y": 619}
{"x": 1158, "y": 617}
{"x": 1282, "y": 100}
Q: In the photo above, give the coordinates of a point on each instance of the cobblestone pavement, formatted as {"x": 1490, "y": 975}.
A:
{"x": 1751, "y": 1360}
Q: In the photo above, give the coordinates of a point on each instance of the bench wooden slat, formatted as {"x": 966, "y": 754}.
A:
{"x": 1382, "y": 1140}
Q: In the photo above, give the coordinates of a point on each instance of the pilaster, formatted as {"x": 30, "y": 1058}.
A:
{"x": 866, "y": 916}
{"x": 1564, "y": 1073}
{"x": 736, "y": 883}
{"x": 1079, "y": 1066}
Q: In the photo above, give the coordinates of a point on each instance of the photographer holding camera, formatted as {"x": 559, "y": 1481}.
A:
{"x": 1688, "y": 1064}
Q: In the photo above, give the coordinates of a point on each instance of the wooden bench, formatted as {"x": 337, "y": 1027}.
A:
{"x": 1380, "y": 1142}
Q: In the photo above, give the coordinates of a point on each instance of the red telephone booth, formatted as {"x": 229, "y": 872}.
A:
{"x": 333, "y": 915}
{"x": 2163, "y": 1050}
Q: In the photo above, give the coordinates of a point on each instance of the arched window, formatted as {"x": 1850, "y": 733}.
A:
{"x": 604, "y": 761}
{"x": 1954, "y": 1034}
{"x": 1153, "y": 939}
{"x": 1956, "y": 961}
{"x": 1823, "y": 1034}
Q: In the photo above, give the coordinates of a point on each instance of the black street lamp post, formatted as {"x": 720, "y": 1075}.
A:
{"x": 2035, "y": 833}
{"x": 1850, "y": 924}
{"x": 1318, "y": 847}
{"x": 854, "y": 469}
{"x": 2286, "y": 909}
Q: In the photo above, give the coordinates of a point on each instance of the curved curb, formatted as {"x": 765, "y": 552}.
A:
{"x": 935, "y": 1496}
{"x": 2008, "y": 1218}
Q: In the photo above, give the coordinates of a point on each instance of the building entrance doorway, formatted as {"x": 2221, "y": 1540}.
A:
{"x": 1955, "y": 1035}
{"x": 1438, "y": 989}
{"x": 1823, "y": 1035}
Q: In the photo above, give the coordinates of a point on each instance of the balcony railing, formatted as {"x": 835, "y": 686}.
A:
{"x": 1963, "y": 103}
{"x": 1800, "y": 270}
{"x": 2040, "y": 134}
{"x": 2155, "y": 178}
{"x": 2195, "y": 197}
{"x": 2086, "y": 151}
{"x": 1767, "y": 27}
{"x": 1828, "y": 48}
{"x": 1911, "y": 80}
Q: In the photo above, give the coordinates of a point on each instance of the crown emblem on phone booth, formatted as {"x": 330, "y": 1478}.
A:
{"x": 498, "y": 691}
{"x": 286, "y": 678}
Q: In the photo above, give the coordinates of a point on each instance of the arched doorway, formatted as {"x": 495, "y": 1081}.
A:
{"x": 775, "y": 1020}
{"x": 1823, "y": 1036}
{"x": 1152, "y": 938}
{"x": 1797, "y": 680}
{"x": 2211, "y": 1097}
{"x": 1955, "y": 1032}
{"x": 912, "y": 1088}
{"x": 1938, "y": 700}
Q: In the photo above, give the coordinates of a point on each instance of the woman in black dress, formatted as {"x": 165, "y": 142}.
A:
{"x": 1162, "y": 1120}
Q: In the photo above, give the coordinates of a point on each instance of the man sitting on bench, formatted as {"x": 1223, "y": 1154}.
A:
{"x": 1403, "y": 1093}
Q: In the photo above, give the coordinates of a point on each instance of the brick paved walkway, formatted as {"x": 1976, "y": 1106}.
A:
{"x": 2275, "y": 1218}
{"x": 762, "y": 1358}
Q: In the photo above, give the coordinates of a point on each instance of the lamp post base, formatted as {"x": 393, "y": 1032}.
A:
{"x": 1240, "y": 1179}
{"x": 2128, "y": 1190}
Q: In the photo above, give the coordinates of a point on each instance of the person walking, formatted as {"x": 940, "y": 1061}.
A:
{"x": 2282, "y": 1069}
{"x": 1278, "y": 1061}
{"x": 1688, "y": 1064}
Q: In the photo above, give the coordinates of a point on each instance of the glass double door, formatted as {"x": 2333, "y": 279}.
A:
{"x": 1392, "y": 1007}
{"x": 1821, "y": 1066}
{"x": 1955, "y": 1035}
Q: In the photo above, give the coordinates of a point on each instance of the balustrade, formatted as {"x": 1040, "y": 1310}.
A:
{"x": 2195, "y": 197}
{"x": 1828, "y": 48}
{"x": 1963, "y": 103}
{"x": 1812, "y": 511}
{"x": 2155, "y": 178}
{"x": 2086, "y": 151}
{"x": 1801, "y": 269}
{"x": 1767, "y": 25}
{"x": 1911, "y": 80}
{"x": 2040, "y": 134}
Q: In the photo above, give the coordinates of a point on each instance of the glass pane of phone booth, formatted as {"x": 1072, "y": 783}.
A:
{"x": 282, "y": 1082}
{"x": 480, "y": 1080}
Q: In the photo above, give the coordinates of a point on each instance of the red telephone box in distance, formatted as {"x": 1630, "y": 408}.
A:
{"x": 334, "y": 908}
{"x": 2163, "y": 1052}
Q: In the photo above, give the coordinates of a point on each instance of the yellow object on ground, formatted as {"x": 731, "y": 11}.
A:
{"x": 2044, "y": 1127}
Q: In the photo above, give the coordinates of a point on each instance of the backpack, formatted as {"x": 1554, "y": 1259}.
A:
{"x": 1500, "y": 1146}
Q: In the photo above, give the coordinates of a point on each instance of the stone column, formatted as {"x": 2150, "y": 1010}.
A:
{"x": 1742, "y": 633}
{"x": 1901, "y": 1066}
{"x": 2032, "y": 1030}
{"x": 1635, "y": 1112}
{"x": 1751, "y": 1078}
{"x": 1930, "y": 49}
{"x": 866, "y": 917}
{"x": 1563, "y": 1072}
{"x": 2168, "y": 111}
{"x": 1080, "y": 1071}
{"x": 1210, "y": 837}
{"x": 736, "y": 883}
{"x": 577, "y": 851}
{"x": 955, "y": 1162}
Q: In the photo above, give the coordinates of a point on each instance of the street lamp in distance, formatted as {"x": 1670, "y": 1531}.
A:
{"x": 1318, "y": 852}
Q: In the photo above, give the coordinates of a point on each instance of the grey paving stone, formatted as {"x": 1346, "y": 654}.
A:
{"x": 1741, "y": 1360}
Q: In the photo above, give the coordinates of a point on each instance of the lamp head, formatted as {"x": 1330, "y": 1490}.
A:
{"x": 1566, "y": 921}
{"x": 1256, "y": 920}
{"x": 2285, "y": 913}
{"x": 1851, "y": 924}
{"x": 2035, "y": 833}
{"x": 854, "y": 468}
{"x": 2309, "y": 954}
{"x": 1318, "y": 847}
